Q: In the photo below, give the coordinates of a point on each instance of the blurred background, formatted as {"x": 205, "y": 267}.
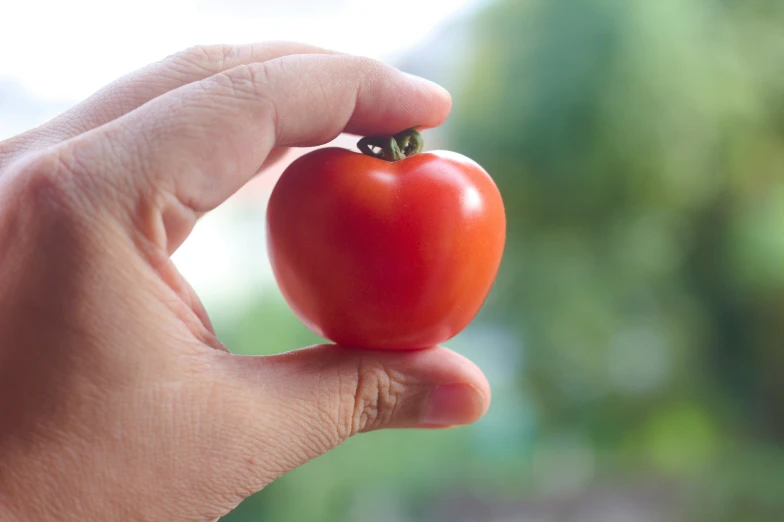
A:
{"x": 635, "y": 337}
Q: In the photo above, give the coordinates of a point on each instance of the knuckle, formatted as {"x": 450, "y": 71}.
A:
{"x": 247, "y": 80}
{"x": 375, "y": 401}
{"x": 41, "y": 199}
{"x": 251, "y": 82}
{"x": 44, "y": 180}
{"x": 211, "y": 58}
{"x": 62, "y": 181}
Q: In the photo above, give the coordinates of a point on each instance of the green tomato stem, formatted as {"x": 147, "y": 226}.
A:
{"x": 393, "y": 148}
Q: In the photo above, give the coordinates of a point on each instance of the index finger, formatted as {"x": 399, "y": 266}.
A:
{"x": 137, "y": 88}
{"x": 203, "y": 141}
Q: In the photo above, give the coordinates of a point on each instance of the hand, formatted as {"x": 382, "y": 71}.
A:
{"x": 117, "y": 401}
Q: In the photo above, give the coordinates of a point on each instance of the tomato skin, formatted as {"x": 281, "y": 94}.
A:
{"x": 385, "y": 255}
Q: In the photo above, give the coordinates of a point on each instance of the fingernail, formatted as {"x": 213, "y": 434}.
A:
{"x": 453, "y": 405}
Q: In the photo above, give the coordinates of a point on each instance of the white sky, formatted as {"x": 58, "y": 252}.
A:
{"x": 68, "y": 49}
{"x": 60, "y": 52}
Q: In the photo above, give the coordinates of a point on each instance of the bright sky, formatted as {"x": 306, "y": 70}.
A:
{"x": 68, "y": 49}
{"x": 62, "y": 51}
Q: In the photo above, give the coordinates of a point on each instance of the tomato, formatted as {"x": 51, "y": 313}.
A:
{"x": 379, "y": 254}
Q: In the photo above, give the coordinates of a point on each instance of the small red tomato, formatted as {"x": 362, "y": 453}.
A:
{"x": 390, "y": 249}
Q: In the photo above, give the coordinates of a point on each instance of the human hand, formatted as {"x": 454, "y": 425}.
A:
{"x": 117, "y": 401}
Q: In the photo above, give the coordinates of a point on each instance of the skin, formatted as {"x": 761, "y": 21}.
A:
{"x": 117, "y": 401}
{"x": 387, "y": 255}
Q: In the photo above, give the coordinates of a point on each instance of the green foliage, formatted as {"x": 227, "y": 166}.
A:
{"x": 639, "y": 148}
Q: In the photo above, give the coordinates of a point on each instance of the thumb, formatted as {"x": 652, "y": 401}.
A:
{"x": 304, "y": 403}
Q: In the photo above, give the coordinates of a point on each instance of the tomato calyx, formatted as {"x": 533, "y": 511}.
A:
{"x": 392, "y": 148}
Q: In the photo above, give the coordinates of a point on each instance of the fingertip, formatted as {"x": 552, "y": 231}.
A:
{"x": 438, "y": 100}
{"x": 453, "y": 405}
{"x": 460, "y": 393}
{"x": 462, "y": 402}
{"x": 434, "y": 102}
{"x": 390, "y": 100}
{"x": 477, "y": 380}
